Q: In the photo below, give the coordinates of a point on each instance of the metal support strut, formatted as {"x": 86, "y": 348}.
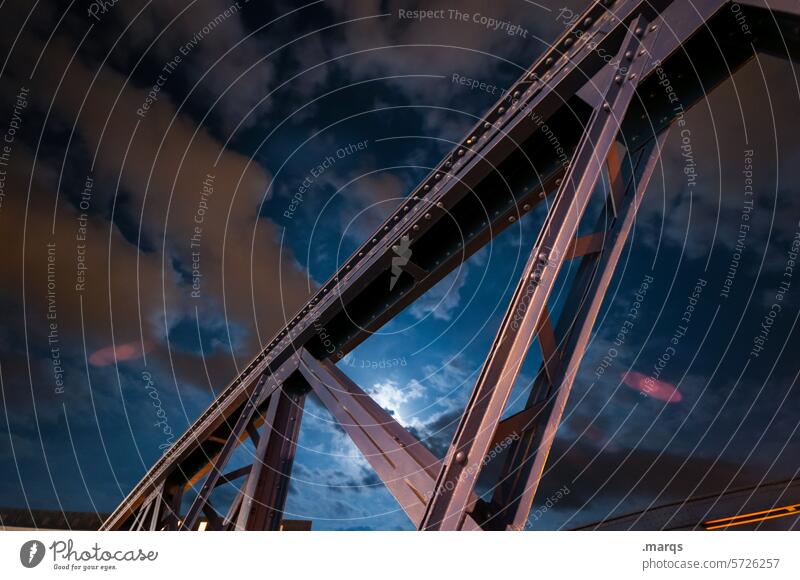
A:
{"x": 610, "y": 114}
{"x": 527, "y": 313}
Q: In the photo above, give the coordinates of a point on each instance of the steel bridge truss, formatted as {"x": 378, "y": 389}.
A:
{"x": 612, "y": 114}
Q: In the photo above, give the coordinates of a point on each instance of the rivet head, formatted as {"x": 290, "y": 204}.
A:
{"x": 512, "y": 219}
{"x": 501, "y": 110}
{"x": 654, "y": 27}
{"x": 628, "y": 55}
{"x": 632, "y": 76}
{"x": 461, "y": 457}
{"x": 427, "y": 216}
{"x": 568, "y": 42}
{"x": 549, "y": 61}
{"x": 587, "y": 22}
{"x": 606, "y": 107}
{"x": 440, "y": 205}
{"x": 461, "y": 151}
{"x": 438, "y": 176}
{"x": 487, "y": 125}
{"x": 415, "y": 228}
{"x": 526, "y": 207}
{"x": 638, "y": 32}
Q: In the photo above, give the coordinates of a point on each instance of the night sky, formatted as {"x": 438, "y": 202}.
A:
{"x": 177, "y": 178}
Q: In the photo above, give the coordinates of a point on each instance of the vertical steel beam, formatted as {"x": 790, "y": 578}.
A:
{"x": 173, "y": 496}
{"x": 394, "y": 453}
{"x": 588, "y": 248}
{"x": 451, "y": 500}
{"x": 213, "y": 520}
{"x": 264, "y": 493}
{"x": 558, "y": 75}
{"x": 266, "y": 387}
{"x": 514, "y": 495}
{"x": 229, "y": 521}
{"x": 239, "y": 428}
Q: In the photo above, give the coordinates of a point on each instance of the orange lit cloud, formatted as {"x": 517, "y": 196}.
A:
{"x": 661, "y": 390}
{"x": 118, "y": 353}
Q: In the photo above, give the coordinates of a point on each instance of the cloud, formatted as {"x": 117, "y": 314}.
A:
{"x": 462, "y": 40}
{"x": 333, "y": 484}
{"x": 701, "y": 215}
{"x": 639, "y": 476}
{"x": 394, "y": 399}
{"x": 184, "y": 192}
{"x": 443, "y": 300}
{"x": 437, "y": 431}
{"x": 100, "y": 228}
{"x": 416, "y": 58}
{"x": 222, "y": 61}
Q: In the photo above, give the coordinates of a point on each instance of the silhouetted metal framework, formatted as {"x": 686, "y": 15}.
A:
{"x": 609, "y": 89}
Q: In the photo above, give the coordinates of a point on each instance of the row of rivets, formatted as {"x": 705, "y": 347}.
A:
{"x": 549, "y": 61}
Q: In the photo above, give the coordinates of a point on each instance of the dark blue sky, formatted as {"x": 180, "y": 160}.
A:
{"x": 286, "y": 133}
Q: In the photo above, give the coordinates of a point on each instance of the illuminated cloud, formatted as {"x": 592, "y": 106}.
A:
{"x": 113, "y": 354}
{"x": 657, "y": 389}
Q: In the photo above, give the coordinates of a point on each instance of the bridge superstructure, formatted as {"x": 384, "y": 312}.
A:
{"x": 611, "y": 86}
